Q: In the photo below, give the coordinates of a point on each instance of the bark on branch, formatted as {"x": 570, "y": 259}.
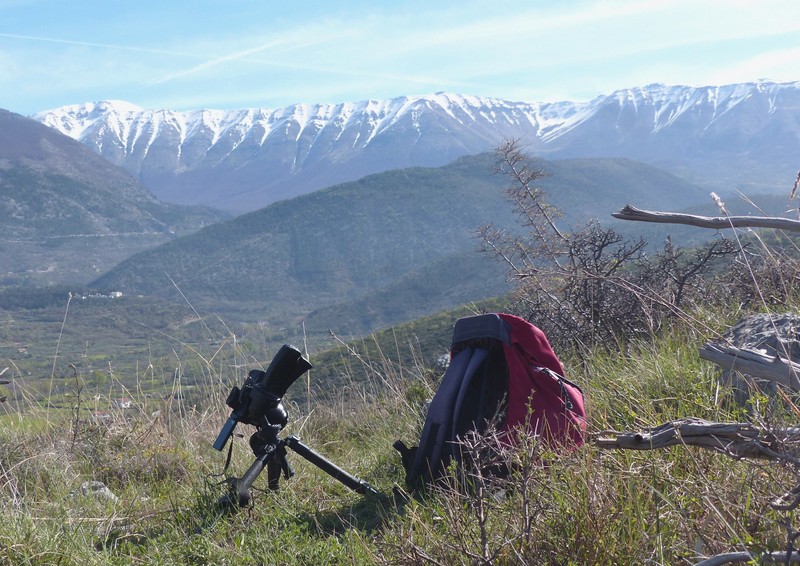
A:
{"x": 632, "y": 213}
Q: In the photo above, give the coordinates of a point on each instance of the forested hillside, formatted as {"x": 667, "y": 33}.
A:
{"x": 381, "y": 250}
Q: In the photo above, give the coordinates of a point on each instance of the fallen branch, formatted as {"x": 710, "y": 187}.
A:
{"x": 753, "y": 363}
{"x": 739, "y": 440}
{"x": 637, "y": 214}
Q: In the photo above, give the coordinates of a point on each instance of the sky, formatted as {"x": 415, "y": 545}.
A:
{"x": 188, "y": 55}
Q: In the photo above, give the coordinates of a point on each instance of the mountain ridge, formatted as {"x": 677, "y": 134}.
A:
{"x": 241, "y": 160}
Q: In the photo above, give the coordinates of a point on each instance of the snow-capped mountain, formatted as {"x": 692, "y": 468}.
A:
{"x": 743, "y": 135}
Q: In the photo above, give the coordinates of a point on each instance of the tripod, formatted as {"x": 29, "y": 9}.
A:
{"x": 258, "y": 403}
{"x": 270, "y": 452}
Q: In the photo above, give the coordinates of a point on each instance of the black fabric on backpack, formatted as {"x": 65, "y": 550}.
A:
{"x": 471, "y": 394}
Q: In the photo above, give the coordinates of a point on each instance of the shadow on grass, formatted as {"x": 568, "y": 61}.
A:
{"x": 368, "y": 515}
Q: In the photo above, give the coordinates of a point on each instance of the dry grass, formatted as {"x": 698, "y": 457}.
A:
{"x": 586, "y": 507}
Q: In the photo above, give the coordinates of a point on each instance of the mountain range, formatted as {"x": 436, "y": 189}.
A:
{"x": 385, "y": 247}
{"x": 742, "y": 136}
{"x": 360, "y": 255}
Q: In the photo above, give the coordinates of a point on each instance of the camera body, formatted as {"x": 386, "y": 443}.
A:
{"x": 258, "y": 401}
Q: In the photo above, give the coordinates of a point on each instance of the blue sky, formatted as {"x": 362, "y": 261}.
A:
{"x": 267, "y": 53}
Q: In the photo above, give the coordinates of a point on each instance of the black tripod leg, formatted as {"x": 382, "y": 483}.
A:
{"x": 273, "y": 474}
{"x": 354, "y": 483}
{"x": 240, "y": 488}
{"x": 276, "y": 465}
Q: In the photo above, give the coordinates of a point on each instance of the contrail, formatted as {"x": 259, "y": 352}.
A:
{"x": 90, "y": 44}
{"x": 216, "y": 61}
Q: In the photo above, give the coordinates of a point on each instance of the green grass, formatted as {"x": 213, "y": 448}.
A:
{"x": 591, "y": 506}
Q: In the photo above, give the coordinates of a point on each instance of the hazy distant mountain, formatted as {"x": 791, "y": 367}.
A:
{"x": 386, "y": 248}
{"x": 67, "y": 214}
{"x": 737, "y": 136}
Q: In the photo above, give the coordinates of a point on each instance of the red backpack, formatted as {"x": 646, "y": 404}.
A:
{"x": 501, "y": 367}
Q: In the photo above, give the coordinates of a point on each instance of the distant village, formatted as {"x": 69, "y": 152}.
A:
{"x": 111, "y": 295}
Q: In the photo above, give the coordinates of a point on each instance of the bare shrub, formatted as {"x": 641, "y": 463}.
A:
{"x": 591, "y": 287}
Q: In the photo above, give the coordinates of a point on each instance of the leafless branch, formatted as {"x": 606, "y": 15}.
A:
{"x": 754, "y": 363}
{"x": 739, "y": 440}
{"x": 637, "y": 214}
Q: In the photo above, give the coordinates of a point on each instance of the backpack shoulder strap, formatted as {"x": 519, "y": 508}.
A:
{"x": 435, "y": 445}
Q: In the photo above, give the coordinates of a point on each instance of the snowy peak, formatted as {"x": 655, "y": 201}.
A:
{"x": 667, "y": 102}
{"x": 83, "y": 122}
{"x": 241, "y": 159}
{"x": 76, "y": 119}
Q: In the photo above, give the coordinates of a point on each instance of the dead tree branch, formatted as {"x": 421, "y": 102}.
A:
{"x": 637, "y": 214}
{"x": 739, "y": 440}
{"x": 753, "y": 363}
